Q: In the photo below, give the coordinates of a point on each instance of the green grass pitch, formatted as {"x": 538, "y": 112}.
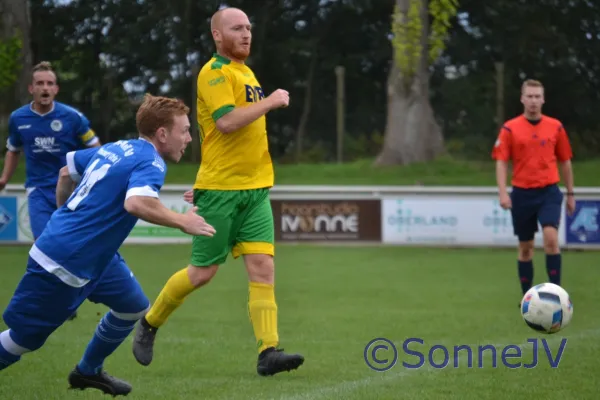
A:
{"x": 332, "y": 302}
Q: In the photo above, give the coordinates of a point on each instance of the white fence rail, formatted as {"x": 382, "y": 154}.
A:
{"x": 447, "y": 216}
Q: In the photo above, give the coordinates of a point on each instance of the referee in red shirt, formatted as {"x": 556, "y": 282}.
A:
{"x": 538, "y": 146}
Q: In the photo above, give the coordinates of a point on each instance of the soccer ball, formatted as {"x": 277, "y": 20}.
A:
{"x": 547, "y": 308}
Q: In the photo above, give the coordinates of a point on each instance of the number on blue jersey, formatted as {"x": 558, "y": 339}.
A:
{"x": 91, "y": 176}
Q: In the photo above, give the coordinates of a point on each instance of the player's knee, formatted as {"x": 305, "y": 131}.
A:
{"x": 21, "y": 340}
{"x": 141, "y": 307}
{"x": 551, "y": 239}
{"x": 132, "y": 316}
{"x": 18, "y": 344}
{"x": 200, "y": 276}
{"x": 526, "y": 250}
{"x": 261, "y": 268}
{"x": 132, "y": 307}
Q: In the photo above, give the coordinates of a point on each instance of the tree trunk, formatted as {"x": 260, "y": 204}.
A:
{"x": 411, "y": 133}
{"x": 257, "y": 58}
{"x": 300, "y": 132}
{"x": 107, "y": 105}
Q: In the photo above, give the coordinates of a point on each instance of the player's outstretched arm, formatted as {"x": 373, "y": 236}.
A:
{"x": 64, "y": 187}
{"x": 150, "y": 209}
{"x": 242, "y": 116}
{"x": 10, "y": 165}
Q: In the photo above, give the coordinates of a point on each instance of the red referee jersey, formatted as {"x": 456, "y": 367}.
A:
{"x": 534, "y": 150}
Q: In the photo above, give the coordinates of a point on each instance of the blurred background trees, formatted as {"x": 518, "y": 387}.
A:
{"x": 110, "y": 52}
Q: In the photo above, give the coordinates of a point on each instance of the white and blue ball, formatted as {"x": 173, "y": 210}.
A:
{"x": 547, "y": 308}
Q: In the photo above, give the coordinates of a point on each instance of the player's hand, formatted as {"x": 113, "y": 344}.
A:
{"x": 570, "y": 205}
{"x": 195, "y": 225}
{"x": 279, "y": 98}
{"x": 188, "y": 196}
{"x": 2, "y": 184}
{"x": 505, "y": 201}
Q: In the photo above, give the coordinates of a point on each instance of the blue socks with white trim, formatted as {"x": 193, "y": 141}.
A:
{"x": 110, "y": 333}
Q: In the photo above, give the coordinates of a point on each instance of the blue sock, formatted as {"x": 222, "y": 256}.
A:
{"x": 6, "y": 358}
{"x": 553, "y": 267}
{"x": 110, "y": 333}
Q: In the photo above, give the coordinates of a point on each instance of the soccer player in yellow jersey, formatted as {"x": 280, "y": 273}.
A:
{"x": 231, "y": 193}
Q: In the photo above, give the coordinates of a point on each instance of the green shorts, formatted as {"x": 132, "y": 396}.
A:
{"x": 243, "y": 220}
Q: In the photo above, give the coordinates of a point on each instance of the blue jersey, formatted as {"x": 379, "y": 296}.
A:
{"x": 85, "y": 233}
{"x": 46, "y": 139}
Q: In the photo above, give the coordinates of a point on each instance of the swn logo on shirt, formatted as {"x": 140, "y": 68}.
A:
{"x": 47, "y": 144}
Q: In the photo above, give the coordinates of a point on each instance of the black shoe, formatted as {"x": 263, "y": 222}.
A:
{"x": 102, "y": 381}
{"x": 143, "y": 342}
{"x": 272, "y": 361}
{"x": 73, "y": 316}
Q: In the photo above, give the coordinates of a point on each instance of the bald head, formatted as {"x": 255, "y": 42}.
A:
{"x": 231, "y": 31}
{"x": 223, "y": 16}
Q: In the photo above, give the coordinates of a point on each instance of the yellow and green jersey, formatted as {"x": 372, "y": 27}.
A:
{"x": 238, "y": 160}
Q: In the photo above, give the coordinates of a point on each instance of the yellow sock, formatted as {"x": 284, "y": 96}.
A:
{"x": 263, "y": 314}
{"x": 172, "y": 296}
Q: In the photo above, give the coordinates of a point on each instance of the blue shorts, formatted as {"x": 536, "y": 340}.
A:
{"x": 530, "y": 206}
{"x": 41, "y": 203}
{"x": 42, "y": 302}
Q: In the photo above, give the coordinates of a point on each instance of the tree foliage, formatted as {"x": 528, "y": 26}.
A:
{"x": 443, "y": 13}
{"x": 10, "y": 51}
{"x": 412, "y": 133}
{"x": 407, "y": 29}
{"x": 109, "y": 52}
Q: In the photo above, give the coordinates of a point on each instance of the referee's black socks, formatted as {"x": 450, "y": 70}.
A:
{"x": 525, "y": 274}
{"x": 553, "y": 267}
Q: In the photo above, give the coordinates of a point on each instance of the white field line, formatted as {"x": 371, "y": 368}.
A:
{"x": 343, "y": 389}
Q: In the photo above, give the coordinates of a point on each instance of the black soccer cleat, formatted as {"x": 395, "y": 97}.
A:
{"x": 102, "y": 381}
{"x": 272, "y": 361}
{"x": 143, "y": 342}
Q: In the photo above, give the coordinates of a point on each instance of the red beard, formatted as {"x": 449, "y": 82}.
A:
{"x": 238, "y": 52}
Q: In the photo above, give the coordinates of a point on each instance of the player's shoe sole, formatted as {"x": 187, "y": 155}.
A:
{"x": 143, "y": 342}
{"x": 273, "y": 361}
{"x": 103, "y": 382}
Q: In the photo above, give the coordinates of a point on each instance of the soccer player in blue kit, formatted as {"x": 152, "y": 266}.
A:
{"x": 45, "y": 130}
{"x": 101, "y": 193}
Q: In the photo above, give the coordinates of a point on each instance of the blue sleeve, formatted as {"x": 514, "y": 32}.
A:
{"x": 147, "y": 179}
{"x": 78, "y": 160}
{"x": 14, "y": 142}
{"x": 84, "y": 133}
